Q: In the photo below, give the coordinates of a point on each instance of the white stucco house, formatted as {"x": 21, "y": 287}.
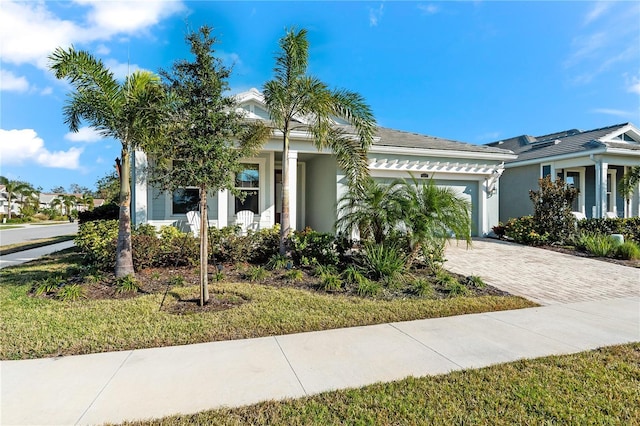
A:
{"x": 317, "y": 183}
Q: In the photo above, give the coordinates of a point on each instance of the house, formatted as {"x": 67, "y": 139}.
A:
{"x": 317, "y": 183}
{"x": 4, "y": 203}
{"x": 592, "y": 161}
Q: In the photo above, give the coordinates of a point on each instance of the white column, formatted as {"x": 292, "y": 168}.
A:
{"x": 601, "y": 188}
{"x": 292, "y": 165}
{"x": 139, "y": 188}
{"x": 223, "y": 208}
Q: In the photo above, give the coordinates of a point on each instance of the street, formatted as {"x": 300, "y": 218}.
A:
{"x": 30, "y": 232}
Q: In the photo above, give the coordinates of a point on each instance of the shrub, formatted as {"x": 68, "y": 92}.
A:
{"x": 628, "y": 227}
{"x": 127, "y": 284}
{"x": 313, "y": 245}
{"x": 293, "y": 275}
{"x": 265, "y": 244}
{"x": 522, "y": 230}
{"x": 422, "y": 287}
{"x": 382, "y": 261}
{"x": 278, "y": 261}
{"x": 331, "y": 282}
{"x": 70, "y": 292}
{"x": 552, "y": 209}
{"x": 256, "y": 273}
{"x": 47, "y": 286}
{"x": 104, "y": 212}
{"x": 476, "y": 281}
{"x": 322, "y": 270}
{"x": 628, "y": 250}
{"x": 366, "y": 287}
{"x": 177, "y": 248}
{"x": 97, "y": 241}
{"x": 597, "y": 244}
{"x": 146, "y": 251}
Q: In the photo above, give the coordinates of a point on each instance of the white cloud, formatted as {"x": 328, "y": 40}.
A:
{"x": 9, "y": 82}
{"x": 121, "y": 70}
{"x": 634, "y": 86}
{"x": 610, "y": 111}
{"x": 46, "y": 91}
{"x": 30, "y": 31}
{"x": 428, "y": 9}
{"x": 102, "y": 50}
{"x": 598, "y": 10}
{"x": 24, "y": 146}
{"x": 84, "y": 134}
{"x": 375, "y": 15}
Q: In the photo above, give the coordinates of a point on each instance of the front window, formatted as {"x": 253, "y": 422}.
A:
{"x": 184, "y": 200}
{"x": 248, "y": 182}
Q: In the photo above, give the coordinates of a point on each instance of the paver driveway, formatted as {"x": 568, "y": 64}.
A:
{"x": 540, "y": 275}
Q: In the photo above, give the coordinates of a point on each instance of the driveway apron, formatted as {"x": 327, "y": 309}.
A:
{"x": 543, "y": 276}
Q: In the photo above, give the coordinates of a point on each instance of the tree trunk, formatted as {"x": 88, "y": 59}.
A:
{"x": 204, "y": 255}
{"x": 124, "y": 253}
{"x": 285, "y": 224}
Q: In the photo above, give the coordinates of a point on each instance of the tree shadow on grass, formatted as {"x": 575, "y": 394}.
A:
{"x": 64, "y": 262}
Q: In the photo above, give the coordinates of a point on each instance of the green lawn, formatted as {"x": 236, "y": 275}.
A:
{"x": 600, "y": 387}
{"x": 34, "y": 327}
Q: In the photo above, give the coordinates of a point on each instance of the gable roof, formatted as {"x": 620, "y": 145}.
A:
{"x": 572, "y": 141}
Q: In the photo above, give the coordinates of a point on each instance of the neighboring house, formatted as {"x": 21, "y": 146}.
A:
{"x": 592, "y": 161}
{"x": 317, "y": 183}
{"x": 4, "y": 203}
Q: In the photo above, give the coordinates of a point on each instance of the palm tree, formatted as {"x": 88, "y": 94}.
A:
{"x": 432, "y": 215}
{"x": 293, "y": 95}
{"x": 14, "y": 188}
{"x": 86, "y": 201}
{"x": 68, "y": 200}
{"x": 372, "y": 212}
{"x": 628, "y": 185}
{"x": 129, "y": 111}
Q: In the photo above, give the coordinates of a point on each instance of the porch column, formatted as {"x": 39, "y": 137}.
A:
{"x": 139, "y": 213}
{"x": 223, "y": 208}
{"x": 601, "y": 188}
{"x": 292, "y": 165}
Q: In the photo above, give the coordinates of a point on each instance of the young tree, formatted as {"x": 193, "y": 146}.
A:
{"x": 13, "y": 189}
{"x": 108, "y": 187}
{"x": 629, "y": 184}
{"x": 130, "y": 111}
{"x": 293, "y": 96}
{"x": 206, "y": 137}
{"x": 552, "y": 209}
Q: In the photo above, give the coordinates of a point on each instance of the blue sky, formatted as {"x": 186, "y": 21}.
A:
{"x": 469, "y": 71}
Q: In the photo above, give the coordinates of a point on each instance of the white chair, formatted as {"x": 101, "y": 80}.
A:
{"x": 244, "y": 218}
{"x": 579, "y": 215}
{"x": 611, "y": 215}
{"x": 193, "y": 219}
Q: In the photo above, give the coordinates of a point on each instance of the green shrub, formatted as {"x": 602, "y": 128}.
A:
{"x": 97, "y": 241}
{"x": 293, "y": 275}
{"x": 597, "y": 244}
{"x": 552, "y": 215}
{"x": 177, "y": 281}
{"x": 278, "y": 261}
{"x": 146, "y": 251}
{"x": 422, "y": 287}
{"x": 146, "y": 229}
{"x": 382, "y": 261}
{"x": 103, "y": 212}
{"x": 322, "y": 270}
{"x": 522, "y": 230}
{"x": 177, "y": 248}
{"x": 315, "y": 246}
{"x": 70, "y": 292}
{"x": 48, "y": 285}
{"x": 256, "y": 273}
{"x": 353, "y": 275}
{"x": 628, "y": 250}
{"x": 265, "y": 244}
{"x": 127, "y": 284}
{"x": 366, "y": 287}
{"x": 476, "y": 281}
{"x": 628, "y": 227}
{"x": 331, "y": 282}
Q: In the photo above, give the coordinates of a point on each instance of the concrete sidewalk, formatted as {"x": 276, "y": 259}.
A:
{"x": 150, "y": 383}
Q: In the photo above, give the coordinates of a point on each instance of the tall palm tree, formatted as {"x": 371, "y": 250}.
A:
{"x": 628, "y": 185}
{"x": 293, "y": 97}
{"x": 13, "y": 189}
{"x": 129, "y": 111}
{"x": 68, "y": 201}
{"x": 86, "y": 201}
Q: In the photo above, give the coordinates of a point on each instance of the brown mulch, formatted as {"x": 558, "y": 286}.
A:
{"x": 632, "y": 263}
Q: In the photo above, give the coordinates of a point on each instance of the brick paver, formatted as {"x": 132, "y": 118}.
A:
{"x": 540, "y": 275}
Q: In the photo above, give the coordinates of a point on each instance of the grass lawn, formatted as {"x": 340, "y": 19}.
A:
{"x": 600, "y": 387}
{"x": 34, "y": 327}
{"x": 13, "y": 248}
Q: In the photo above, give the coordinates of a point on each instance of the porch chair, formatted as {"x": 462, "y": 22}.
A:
{"x": 579, "y": 215}
{"x": 244, "y": 218}
{"x": 193, "y": 219}
{"x": 611, "y": 215}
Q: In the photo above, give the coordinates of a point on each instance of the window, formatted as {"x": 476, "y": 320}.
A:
{"x": 248, "y": 182}
{"x": 546, "y": 170}
{"x": 184, "y": 200}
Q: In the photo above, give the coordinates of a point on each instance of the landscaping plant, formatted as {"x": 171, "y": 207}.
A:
{"x": 552, "y": 215}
